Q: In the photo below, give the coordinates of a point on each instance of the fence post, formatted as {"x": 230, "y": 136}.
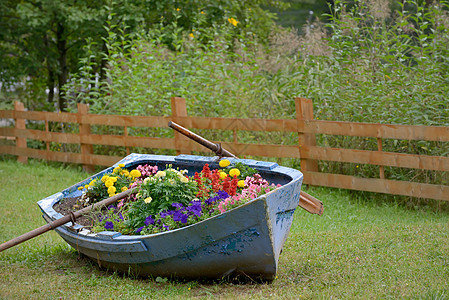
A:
{"x": 179, "y": 109}
{"x": 304, "y": 113}
{"x": 86, "y": 149}
{"x": 20, "y": 124}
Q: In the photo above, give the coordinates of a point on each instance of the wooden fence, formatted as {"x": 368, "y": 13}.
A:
{"x": 306, "y": 150}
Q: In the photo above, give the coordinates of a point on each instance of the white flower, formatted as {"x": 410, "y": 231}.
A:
{"x": 148, "y": 200}
{"x": 160, "y": 174}
{"x": 183, "y": 179}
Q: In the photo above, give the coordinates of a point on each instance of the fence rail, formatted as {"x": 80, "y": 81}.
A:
{"x": 306, "y": 148}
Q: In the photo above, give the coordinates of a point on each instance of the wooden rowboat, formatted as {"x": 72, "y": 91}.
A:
{"x": 244, "y": 241}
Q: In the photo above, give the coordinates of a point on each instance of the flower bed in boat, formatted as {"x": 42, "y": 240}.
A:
{"x": 166, "y": 199}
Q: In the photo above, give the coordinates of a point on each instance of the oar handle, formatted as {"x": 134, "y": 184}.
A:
{"x": 199, "y": 139}
{"x": 61, "y": 221}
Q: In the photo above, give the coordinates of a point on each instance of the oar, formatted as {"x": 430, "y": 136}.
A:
{"x": 61, "y": 221}
{"x": 306, "y": 201}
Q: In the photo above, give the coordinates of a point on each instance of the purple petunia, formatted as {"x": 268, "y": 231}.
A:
{"x": 109, "y": 225}
{"x": 221, "y": 195}
{"x": 165, "y": 214}
{"x": 195, "y": 208}
{"x": 177, "y": 205}
{"x": 139, "y": 229}
{"x": 180, "y": 216}
{"x": 149, "y": 220}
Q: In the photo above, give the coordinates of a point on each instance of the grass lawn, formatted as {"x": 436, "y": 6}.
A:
{"x": 357, "y": 249}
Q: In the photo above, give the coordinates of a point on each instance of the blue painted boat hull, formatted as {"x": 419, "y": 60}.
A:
{"x": 243, "y": 241}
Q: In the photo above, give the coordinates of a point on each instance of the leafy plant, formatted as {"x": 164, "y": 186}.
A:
{"x": 157, "y": 193}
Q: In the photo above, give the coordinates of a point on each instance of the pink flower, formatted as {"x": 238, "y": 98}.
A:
{"x": 221, "y": 208}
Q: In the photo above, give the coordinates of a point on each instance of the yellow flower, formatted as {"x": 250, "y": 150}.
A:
{"x": 116, "y": 170}
{"x": 86, "y": 186}
{"x": 224, "y": 163}
{"x": 104, "y": 178}
{"x": 111, "y": 190}
{"x": 202, "y": 12}
{"x": 183, "y": 179}
{"x": 92, "y": 182}
{"x": 124, "y": 188}
{"x": 191, "y": 35}
{"x": 121, "y": 165}
{"x": 234, "y": 172}
{"x": 178, "y": 9}
{"x": 223, "y": 175}
{"x": 80, "y": 188}
{"x": 125, "y": 172}
{"x": 241, "y": 183}
{"x": 233, "y": 21}
{"x": 135, "y": 173}
{"x": 114, "y": 179}
{"x": 148, "y": 200}
{"x": 109, "y": 183}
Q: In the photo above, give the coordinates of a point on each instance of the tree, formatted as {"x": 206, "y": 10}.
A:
{"x": 45, "y": 39}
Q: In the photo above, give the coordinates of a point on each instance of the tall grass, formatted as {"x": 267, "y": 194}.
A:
{"x": 374, "y": 61}
{"x": 357, "y": 249}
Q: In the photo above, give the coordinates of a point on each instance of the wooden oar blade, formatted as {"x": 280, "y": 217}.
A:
{"x": 311, "y": 204}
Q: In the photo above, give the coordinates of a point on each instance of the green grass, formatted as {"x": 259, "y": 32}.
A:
{"x": 359, "y": 248}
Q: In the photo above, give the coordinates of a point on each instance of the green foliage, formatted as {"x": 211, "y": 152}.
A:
{"x": 42, "y": 41}
{"x": 245, "y": 171}
{"x": 114, "y": 217}
{"x": 395, "y": 60}
{"x": 157, "y": 193}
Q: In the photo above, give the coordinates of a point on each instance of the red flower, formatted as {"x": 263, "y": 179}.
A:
{"x": 216, "y": 180}
{"x": 233, "y": 187}
{"x": 202, "y": 189}
{"x": 206, "y": 173}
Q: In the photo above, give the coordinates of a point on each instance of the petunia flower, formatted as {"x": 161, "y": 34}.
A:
{"x": 109, "y": 225}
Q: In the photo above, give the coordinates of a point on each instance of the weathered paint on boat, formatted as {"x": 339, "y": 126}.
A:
{"x": 244, "y": 241}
